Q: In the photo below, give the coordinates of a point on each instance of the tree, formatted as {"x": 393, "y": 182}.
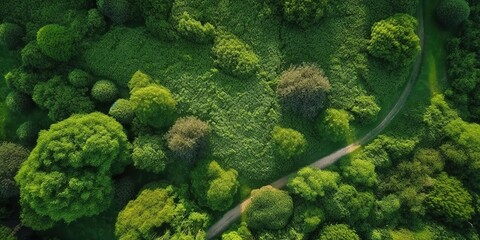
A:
{"x": 365, "y": 109}
{"x": 104, "y": 91}
{"x": 304, "y": 13}
{"x": 451, "y": 13}
{"x": 270, "y": 209}
{"x": 160, "y": 213}
{"x": 116, "y": 10}
{"x": 394, "y": 40}
{"x": 307, "y": 217}
{"x": 80, "y": 79}
{"x": 431, "y": 159}
{"x": 338, "y": 232}
{"x": 234, "y": 56}
{"x": 7, "y": 233}
{"x": 360, "y": 172}
{"x": 347, "y": 204}
{"x": 148, "y": 154}
{"x": 68, "y": 174}
{"x": 122, "y": 110}
{"x": 312, "y": 184}
{"x": 139, "y": 80}
{"x": 187, "y": 138}
{"x": 61, "y": 99}
{"x": 214, "y": 186}
{"x": 194, "y": 30}
{"x": 11, "y": 35}
{"x": 154, "y": 105}
{"x": 22, "y": 80}
{"x": 303, "y": 90}
{"x": 27, "y": 132}
{"x": 56, "y": 41}
{"x": 289, "y": 143}
{"x": 11, "y": 157}
{"x": 335, "y": 124}
{"x": 33, "y": 57}
{"x": 18, "y": 102}
{"x": 387, "y": 210}
{"x": 450, "y": 200}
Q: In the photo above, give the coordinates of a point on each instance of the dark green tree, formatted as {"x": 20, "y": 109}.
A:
{"x": 116, "y": 10}
{"x": 451, "y": 13}
{"x": 154, "y": 105}
{"x": 33, "y": 57}
{"x": 104, "y": 91}
{"x": 80, "y": 79}
{"x": 11, "y": 157}
{"x": 122, "y": 110}
{"x": 56, "y": 41}
{"x": 304, "y": 13}
{"x": 11, "y": 35}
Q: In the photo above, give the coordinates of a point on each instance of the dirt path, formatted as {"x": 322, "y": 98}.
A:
{"x": 235, "y": 213}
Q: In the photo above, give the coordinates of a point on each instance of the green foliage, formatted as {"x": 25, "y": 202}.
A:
{"x": 11, "y": 35}
{"x": 159, "y": 213}
{"x": 404, "y": 6}
{"x": 11, "y": 157}
{"x": 338, "y": 232}
{"x": 384, "y": 150}
{"x": 7, "y": 233}
{"x": 32, "y": 56}
{"x": 122, "y": 110}
{"x": 187, "y": 138}
{"x": 154, "y": 105}
{"x": 365, "y": 109}
{"x": 450, "y": 200}
{"x": 139, "y": 80}
{"x": 286, "y": 233}
{"x": 234, "y": 56}
{"x": 95, "y": 23}
{"x": 304, "y": 13}
{"x": 451, "y": 13}
{"x": 18, "y": 102}
{"x": 148, "y": 154}
{"x": 307, "y": 217}
{"x": 116, "y": 10}
{"x": 463, "y": 68}
{"x": 289, "y": 143}
{"x": 105, "y": 91}
{"x": 21, "y": 80}
{"x": 27, "y": 132}
{"x": 194, "y": 30}
{"x": 347, "y": 204}
{"x": 303, "y": 90}
{"x": 312, "y": 184}
{"x": 61, "y": 99}
{"x": 68, "y": 174}
{"x": 80, "y": 79}
{"x": 387, "y": 210}
{"x": 213, "y": 186}
{"x": 334, "y": 124}
{"x": 438, "y": 115}
{"x": 270, "y": 209}
{"x": 395, "y": 41}
{"x": 360, "y": 172}
{"x": 156, "y": 15}
{"x": 56, "y": 41}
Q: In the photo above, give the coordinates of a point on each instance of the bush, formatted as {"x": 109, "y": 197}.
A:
{"x": 270, "y": 209}
{"x": 395, "y": 41}
{"x": 194, "y": 30}
{"x": 304, "y": 13}
{"x": 80, "y": 79}
{"x": 122, "y": 110}
{"x": 116, "y": 10}
{"x": 32, "y": 56}
{"x": 68, "y": 174}
{"x": 11, "y": 158}
{"x": 335, "y": 124}
{"x": 187, "y": 138}
{"x": 105, "y": 91}
{"x": 139, "y": 80}
{"x": 56, "y": 41}
{"x": 95, "y": 23}
{"x": 303, "y": 90}
{"x": 338, "y": 232}
{"x": 18, "y": 102}
{"x": 234, "y": 56}
{"x": 154, "y": 105}
{"x": 289, "y": 142}
{"x": 27, "y": 132}
{"x": 451, "y": 13}
{"x": 312, "y": 184}
{"x": 11, "y": 35}
{"x": 360, "y": 173}
{"x": 365, "y": 109}
{"x": 148, "y": 154}
{"x": 23, "y": 81}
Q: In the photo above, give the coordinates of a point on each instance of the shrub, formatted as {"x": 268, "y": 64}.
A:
{"x": 289, "y": 142}
{"x": 11, "y": 158}
{"x": 18, "y": 102}
{"x": 270, "y": 209}
{"x": 139, "y": 80}
{"x": 68, "y": 174}
{"x": 122, "y": 110}
{"x": 95, "y": 23}
{"x": 303, "y": 90}
{"x": 360, "y": 173}
{"x": 395, "y": 41}
{"x": 194, "y": 30}
{"x": 335, "y": 124}
{"x": 27, "y": 132}
{"x": 154, "y": 105}
{"x": 56, "y": 41}
{"x": 234, "y": 56}
{"x": 116, "y": 10}
{"x": 23, "y": 81}
{"x": 148, "y": 154}
{"x": 187, "y": 138}
{"x": 304, "y": 13}
{"x": 338, "y": 232}
{"x": 104, "y": 91}
{"x": 349, "y": 205}
{"x": 32, "y": 56}
{"x": 11, "y": 35}
{"x": 80, "y": 79}
{"x": 451, "y": 13}
{"x": 365, "y": 109}
{"x": 312, "y": 184}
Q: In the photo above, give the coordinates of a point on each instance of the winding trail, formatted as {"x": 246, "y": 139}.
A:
{"x": 235, "y": 213}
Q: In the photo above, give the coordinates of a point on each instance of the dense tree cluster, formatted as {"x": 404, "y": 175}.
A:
{"x": 452, "y": 12}
{"x": 11, "y": 157}
{"x": 270, "y": 209}
{"x": 11, "y": 35}
{"x": 338, "y": 232}
{"x": 303, "y": 90}
{"x": 312, "y": 184}
{"x": 148, "y": 154}
{"x": 122, "y": 110}
{"x": 187, "y": 138}
{"x": 33, "y": 57}
{"x": 289, "y": 142}
{"x": 27, "y": 132}
{"x": 18, "y": 102}
{"x": 304, "y": 13}
{"x": 116, "y": 10}
{"x": 68, "y": 174}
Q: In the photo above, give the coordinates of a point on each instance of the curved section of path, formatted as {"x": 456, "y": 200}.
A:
{"x": 235, "y": 213}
